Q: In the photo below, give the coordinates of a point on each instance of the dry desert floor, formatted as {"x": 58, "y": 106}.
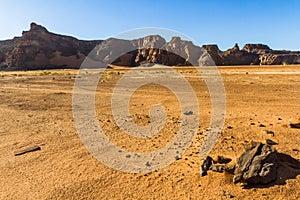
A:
{"x": 36, "y": 109}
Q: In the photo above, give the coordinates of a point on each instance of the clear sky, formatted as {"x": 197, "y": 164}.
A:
{"x": 222, "y": 22}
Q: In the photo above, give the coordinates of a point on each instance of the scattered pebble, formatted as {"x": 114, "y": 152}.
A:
{"x": 229, "y": 127}
{"x": 296, "y": 125}
{"x": 177, "y": 157}
{"x": 188, "y": 113}
{"x": 271, "y": 142}
{"x": 261, "y": 125}
{"x": 26, "y": 150}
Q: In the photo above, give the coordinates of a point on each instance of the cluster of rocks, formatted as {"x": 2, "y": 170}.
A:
{"x": 40, "y": 49}
{"x": 259, "y": 164}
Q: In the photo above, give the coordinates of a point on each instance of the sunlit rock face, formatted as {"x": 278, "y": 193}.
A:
{"x": 40, "y": 49}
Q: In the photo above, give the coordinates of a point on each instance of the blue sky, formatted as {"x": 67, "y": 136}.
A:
{"x": 276, "y": 23}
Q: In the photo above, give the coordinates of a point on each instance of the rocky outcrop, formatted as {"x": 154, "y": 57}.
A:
{"x": 40, "y": 49}
{"x": 257, "y": 48}
{"x": 147, "y": 50}
{"x": 235, "y": 56}
{"x": 279, "y": 59}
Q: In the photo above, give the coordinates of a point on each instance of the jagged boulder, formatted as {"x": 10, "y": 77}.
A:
{"x": 257, "y": 165}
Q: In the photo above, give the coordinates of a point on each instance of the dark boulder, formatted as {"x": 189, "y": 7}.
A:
{"x": 257, "y": 165}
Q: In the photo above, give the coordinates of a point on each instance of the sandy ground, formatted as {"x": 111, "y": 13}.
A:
{"x": 36, "y": 109}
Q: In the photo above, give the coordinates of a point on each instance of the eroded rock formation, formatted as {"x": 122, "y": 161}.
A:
{"x": 40, "y": 49}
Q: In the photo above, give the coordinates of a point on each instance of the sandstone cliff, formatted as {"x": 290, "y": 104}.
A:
{"x": 40, "y": 49}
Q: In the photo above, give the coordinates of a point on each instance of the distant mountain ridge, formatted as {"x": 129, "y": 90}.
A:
{"x": 40, "y": 49}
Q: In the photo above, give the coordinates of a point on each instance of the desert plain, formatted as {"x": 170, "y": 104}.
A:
{"x": 36, "y": 110}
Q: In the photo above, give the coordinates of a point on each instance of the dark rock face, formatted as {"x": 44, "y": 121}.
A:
{"x": 233, "y": 56}
{"x": 257, "y": 165}
{"x": 150, "y": 49}
{"x": 40, "y": 49}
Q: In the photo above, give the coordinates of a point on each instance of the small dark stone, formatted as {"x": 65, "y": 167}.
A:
{"x": 271, "y": 142}
{"x": 261, "y": 125}
{"x": 229, "y": 127}
{"x": 205, "y": 165}
{"x": 148, "y": 164}
{"x": 27, "y": 150}
{"x": 296, "y": 125}
{"x": 128, "y": 156}
{"x": 188, "y": 113}
{"x": 223, "y": 160}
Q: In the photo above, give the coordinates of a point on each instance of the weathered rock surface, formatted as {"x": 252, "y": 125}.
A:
{"x": 257, "y": 165}
{"x": 40, "y": 49}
